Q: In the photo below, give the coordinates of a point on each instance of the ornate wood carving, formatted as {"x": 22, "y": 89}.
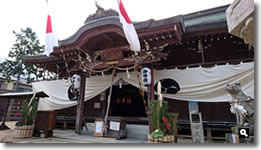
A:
{"x": 101, "y": 13}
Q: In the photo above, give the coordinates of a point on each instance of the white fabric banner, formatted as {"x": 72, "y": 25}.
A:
{"x": 51, "y": 40}
{"x": 196, "y": 84}
{"x": 128, "y": 28}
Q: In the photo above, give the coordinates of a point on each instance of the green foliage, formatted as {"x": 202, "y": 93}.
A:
{"x": 28, "y": 113}
{"x": 160, "y": 117}
{"x": 26, "y": 43}
{"x": 157, "y": 133}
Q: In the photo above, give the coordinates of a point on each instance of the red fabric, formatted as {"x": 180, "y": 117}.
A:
{"x": 124, "y": 13}
{"x": 49, "y": 25}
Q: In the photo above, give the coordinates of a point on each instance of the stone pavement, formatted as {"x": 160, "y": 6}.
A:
{"x": 69, "y": 136}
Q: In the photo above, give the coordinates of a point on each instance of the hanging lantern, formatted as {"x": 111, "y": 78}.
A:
{"x": 129, "y": 101}
{"x": 118, "y": 101}
{"x": 76, "y": 81}
{"x": 146, "y": 76}
{"x": 123, "y": 100}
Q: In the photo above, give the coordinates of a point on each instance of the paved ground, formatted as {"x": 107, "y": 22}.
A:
{"x": 68, "y": 136}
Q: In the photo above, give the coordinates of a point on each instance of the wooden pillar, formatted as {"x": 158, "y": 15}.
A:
{"x": 209, "y": 135}
{"x": 152, "y": 96}
{"x": 148, "y": 98}
{"x": 80, "y": 105}
{"x": 201, "y": 49}
{"x": 3, "y": 125}
{"x": 175, "y": 122}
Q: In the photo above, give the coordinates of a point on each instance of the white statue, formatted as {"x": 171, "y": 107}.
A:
{"x": 241, "y": 105}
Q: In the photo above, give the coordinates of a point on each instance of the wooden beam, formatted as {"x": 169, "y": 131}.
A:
{"x": 161, "y": 42}
{"x": 80, "y": 105}
{"x": 177, "y": 33}
{"x": 122, "y": 48}
{"x": 152, "y": 32}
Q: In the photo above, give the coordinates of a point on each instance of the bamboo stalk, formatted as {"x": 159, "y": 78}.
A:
{"x": 161, "y": 139}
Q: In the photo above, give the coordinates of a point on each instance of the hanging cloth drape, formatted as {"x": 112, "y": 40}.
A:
{"x": 196, "y": 84}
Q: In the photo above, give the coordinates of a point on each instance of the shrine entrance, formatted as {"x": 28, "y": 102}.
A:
{"x": 126, "y": 101}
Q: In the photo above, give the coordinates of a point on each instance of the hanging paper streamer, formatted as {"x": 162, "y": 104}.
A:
{"x": 128, "y": 74}
{"x": 103, "y": 75}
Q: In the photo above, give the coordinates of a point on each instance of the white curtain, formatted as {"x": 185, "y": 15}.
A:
{"x": 196, "y": 84}
{"x": 209, "y": 84}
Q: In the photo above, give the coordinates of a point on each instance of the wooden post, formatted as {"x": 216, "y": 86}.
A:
{"x": 175, "y": 123}
{"x": 3, "y": 125}
{"x": 152, "y": 96}
{"x": 201, "y": 49}
{"x": 148, "y": 98}
{"x": 209, "y": 135}
{"x": 80, "y": 105}
{"x": 108, "y": 104}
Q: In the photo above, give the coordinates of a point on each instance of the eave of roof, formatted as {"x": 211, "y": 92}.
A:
{"x": 22, "y": 81}
{"x": 114, "y": 21}
{"x": 40, "y": 58}
{"x": 209, "y": 19}
{"x": 23, "y": 94}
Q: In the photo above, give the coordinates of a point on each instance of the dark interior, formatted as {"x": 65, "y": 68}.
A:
{"x": 127, "y": 102}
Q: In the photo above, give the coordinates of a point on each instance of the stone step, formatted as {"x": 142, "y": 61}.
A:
{"x": 137, "y": 131}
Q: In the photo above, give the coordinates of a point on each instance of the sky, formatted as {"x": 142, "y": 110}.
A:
{"x": 69, "y": 15}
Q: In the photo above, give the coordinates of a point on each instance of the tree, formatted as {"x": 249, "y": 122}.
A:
{"x": 26, "y": 43}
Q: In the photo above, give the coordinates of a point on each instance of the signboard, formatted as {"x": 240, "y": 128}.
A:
{"x": 97, "y": 105}
{"x": 196, "y": 123}
{"x": 196, "y": 127}
{"x": 193, "y": 106}
{"x": 98, "y": 128}
{"x": 115, "y": 126}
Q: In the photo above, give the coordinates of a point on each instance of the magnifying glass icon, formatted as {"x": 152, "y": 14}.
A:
{"x": 243, "y": 132}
